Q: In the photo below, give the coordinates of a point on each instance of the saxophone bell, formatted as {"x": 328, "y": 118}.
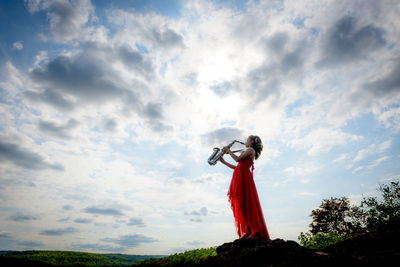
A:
{"x": 218, "y": 153}
{"x": 215, "y": 156}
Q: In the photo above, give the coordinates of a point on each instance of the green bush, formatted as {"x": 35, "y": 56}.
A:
{"x": 320, "y": 240}
{"x": 186, "y": 258}
{"x": 336, "y": 220}
{"x": 383, "y": 213}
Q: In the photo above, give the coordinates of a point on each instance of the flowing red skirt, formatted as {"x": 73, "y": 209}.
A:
{"x": 245, "y": 204}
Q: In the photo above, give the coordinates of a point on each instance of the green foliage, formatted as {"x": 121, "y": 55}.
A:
{"x": 335, "y": 220}
{"x": 384, "y": 214}
{"x": 335, "y": 215}
{"x": 69, "y": 258}
{"x": 188, "y": 257}
{"x": 320, "y": 240}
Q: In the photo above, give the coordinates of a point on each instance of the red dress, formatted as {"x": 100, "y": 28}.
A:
{"x": 244, "y": 201}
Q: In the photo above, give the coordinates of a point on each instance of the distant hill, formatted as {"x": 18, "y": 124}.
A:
{"x": 368, "y": 249}
{"x": 68, "y": 258}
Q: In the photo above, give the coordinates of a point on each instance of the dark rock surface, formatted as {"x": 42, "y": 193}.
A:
{"x": 277, "y": 252}
{"x": 370, "y": 249}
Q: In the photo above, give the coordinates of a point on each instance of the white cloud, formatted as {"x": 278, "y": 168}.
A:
{"x": 372, "y": 165}
{"x": 342, "y": 158}
{"x": 306, "y": 194}
{"x": 160, "y": 35}
{"x": 18, "y": 45}
{"x": 356, "y": 199}
{"x": 301, "y": 170}
{"x": 68, "y": 19}
{"x": 378, "y": 161}
{"x": 391, "y": 119}
{"x": 323, "y": 140}
{"x": 305, "y": 180}
{"x": 359, "y": 168}
{"x": 391, "y": 178}
{"x": 170, "y": 163}
{"x": 11, "y": 80}
{"x": 372, "y": 149}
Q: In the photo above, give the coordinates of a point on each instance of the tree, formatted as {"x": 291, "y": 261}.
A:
{"x": 335, "y": 215}
{"x": 383, "y": 215}
{"x": 335, "y": 220}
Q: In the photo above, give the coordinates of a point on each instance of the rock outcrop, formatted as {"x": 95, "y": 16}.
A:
{"x": 370, "y": 249}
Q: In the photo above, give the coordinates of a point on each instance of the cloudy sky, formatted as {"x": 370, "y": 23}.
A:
{"x": 110, "y": 110}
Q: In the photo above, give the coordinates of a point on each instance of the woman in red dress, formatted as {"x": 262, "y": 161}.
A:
{"x": 242, "y": 193}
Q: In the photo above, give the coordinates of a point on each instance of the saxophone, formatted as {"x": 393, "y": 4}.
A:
{"x": 219, "y": 152}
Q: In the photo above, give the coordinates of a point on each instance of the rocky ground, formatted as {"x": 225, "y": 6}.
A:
{"x": 370, "y": 249}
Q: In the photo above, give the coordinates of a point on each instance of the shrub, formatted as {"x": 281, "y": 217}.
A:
{"x": 335, "y": 220}
{"x": 383, "y": 214}
{"x": 186, "y": 258}
{"x": 320, "y": 240}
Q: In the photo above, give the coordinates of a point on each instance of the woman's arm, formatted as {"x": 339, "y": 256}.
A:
{"x": 227, "y": 163}
{"x": 248, "y": 152}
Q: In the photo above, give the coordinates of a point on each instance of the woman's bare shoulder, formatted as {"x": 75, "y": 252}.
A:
{"x": 251, "y": 149}
{"x": 248, "y": 150}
